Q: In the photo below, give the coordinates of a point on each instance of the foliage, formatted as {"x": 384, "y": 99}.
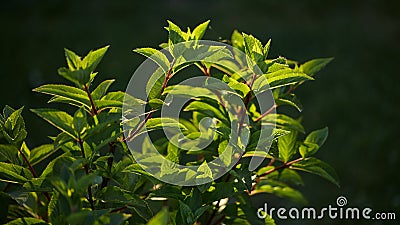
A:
{"x": 87, "y": 175}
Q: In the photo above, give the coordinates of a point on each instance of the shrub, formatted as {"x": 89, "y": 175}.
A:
{"x": 88, "y": 175}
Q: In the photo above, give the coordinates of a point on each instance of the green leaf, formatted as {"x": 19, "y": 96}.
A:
{"x": 154, "y": 86}
{"x": 176, "y": 35}
{"x": 313, "y": 142}
{"x": 289, "y": 99}
{"x": 9, "y": 153}
{"x": 80, "y": 77}
{"x": 85, "y": 217}
{"x": 27, "y": 221}
{"x": 285, "y": 77}
{"x": 155, "y": 55}
{"x": 199, "y": 31}
{"x": 253, "y": 48}
{"x": 283, "y": 121}
{"x": 13, "y": 173}
{"x": 161, "y": 218}
{"x": 57, "y": 118}
{"x": 219, "y": 191}
{"x": 93, "y": 58}
{"x": 209, "y": 108}
{"x": 317, "y": 167}
{"x": 237, "y": 40}
{"x": 160, "y": 123}
{"x": 313, "y": 66}
{"x": 73, "y": 60}
{"x": 40, "y": 153}
{"x": 101, "y": 89}
{"x": 286, "y": 146}
{"x": 206, "y": 173}
{"x": 168, "y": 192}
{"x": 13, "y": 127}
{"x": 290, "y": 177}
{"x": 79, "y": 121}
{"x": 186, "y": 213}
{"x": 106, "y": 104}
{"x": 281, "y": 190}
{"x": 113, "y": 194}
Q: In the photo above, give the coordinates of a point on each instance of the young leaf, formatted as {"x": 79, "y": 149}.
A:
{"x": 313, "y": 142}
{"x": 14, "y": 127}
{"x": 57, "y": 118}
{"x": 199, "y": 31}
{"x": 317, "y": 167}
{"x": 313, "y": 66}
{"x": 101, "y": 89}
{"x": 237, "y": 40}
{"x": 79, "y": 77}
{"x": 93, "y": 58}
{"x": 73, "y": 60}
{"x": 176, "y": 35}
{"x": 253, "y": 48}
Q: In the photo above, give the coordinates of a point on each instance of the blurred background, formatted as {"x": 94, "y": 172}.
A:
{"x": 357, "y": 95}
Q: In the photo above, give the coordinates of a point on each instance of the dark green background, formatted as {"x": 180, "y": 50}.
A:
{"x": 357, "y": 95}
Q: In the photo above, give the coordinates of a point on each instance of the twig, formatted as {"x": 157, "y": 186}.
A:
{"x": 266, "y": 113}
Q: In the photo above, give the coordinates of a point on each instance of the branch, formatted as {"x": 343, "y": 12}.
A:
{"x": 148, "y": 116}
{"x": 285, "y": 165}
{"x": 93, "y": 109}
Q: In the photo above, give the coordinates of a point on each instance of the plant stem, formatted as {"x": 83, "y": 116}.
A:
{"x": 34, "y": 174}
{"x": 93, "y": 109}
{"x": 148, "y": 116}
{"x": 85, "y": 167}
{"x": 266, "y": 113}
{"x": 28, "y": 164}
{"x": 214, "y": 212}
{"x": 141, "y": 125}
{"x": 109, "y": 163}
